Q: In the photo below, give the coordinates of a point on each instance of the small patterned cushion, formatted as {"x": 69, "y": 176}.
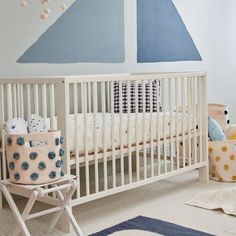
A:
{"x": 36, "y": 124}
{"x": 215, "y": 131}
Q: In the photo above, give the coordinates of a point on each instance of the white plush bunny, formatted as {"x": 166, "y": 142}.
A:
{"x": 16, "y": 126}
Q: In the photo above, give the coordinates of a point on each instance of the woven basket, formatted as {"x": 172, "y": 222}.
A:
{"x": 29, "y": 164}
{"x": 220, "y": 113}
{"x": 222, "y": 160}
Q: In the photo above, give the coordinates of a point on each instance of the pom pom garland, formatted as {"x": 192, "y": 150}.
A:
{"x": 46, "y": 12}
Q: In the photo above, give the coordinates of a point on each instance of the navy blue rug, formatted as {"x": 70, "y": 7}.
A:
{"x": 153, "y": 226}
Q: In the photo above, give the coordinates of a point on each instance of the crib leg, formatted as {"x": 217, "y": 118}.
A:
{"x": 204, "y": 174}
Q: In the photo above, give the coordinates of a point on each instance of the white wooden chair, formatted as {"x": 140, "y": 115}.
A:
{"x": 64, "y": 188}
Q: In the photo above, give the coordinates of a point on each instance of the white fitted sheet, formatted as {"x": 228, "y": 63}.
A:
{"x": 148, "y": 125}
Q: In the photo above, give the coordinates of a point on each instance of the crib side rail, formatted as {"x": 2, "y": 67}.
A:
{"x": 121, "y": 141}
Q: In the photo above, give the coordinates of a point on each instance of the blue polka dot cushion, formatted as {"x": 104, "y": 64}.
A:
{"x": 215, "y": 131}
{"x": 35, "y": 165}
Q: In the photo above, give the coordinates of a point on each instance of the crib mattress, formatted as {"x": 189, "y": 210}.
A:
{"x": 125, "y": 135}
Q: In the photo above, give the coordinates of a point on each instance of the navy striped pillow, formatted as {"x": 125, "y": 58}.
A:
{"x": 132, "y": 97}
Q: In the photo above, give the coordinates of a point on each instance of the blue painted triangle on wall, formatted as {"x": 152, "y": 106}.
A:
{"x": 162, "y": 34}
{"x": 89, "y": 31}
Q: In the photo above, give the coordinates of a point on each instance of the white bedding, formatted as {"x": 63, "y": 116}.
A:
{"x": 108, "y": 130}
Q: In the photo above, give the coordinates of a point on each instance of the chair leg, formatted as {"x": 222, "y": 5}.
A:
{"x": 15, "y": 211}
{"x": 73, "y": 221}
{"x": 63, "y": 203}
{"x": 70, "y": 215}
{"x": 27, "y": 210}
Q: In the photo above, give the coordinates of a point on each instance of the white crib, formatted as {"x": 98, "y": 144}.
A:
{"x": 115, "y": 151}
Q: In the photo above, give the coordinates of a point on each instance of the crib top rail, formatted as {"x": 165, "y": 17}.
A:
{"x": 32, "y": 80}
{"x": 98, "y": 77}
{"x": 132, "y": 76}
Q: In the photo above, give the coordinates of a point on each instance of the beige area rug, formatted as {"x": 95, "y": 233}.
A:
{"x": 224, "y": 199}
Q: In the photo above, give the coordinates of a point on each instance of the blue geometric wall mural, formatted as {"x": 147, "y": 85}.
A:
{"x": 89, "y": 31}
{"x": 162, "y": 34}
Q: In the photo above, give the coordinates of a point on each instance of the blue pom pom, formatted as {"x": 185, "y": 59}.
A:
{"x": 51, "y": 155}
{"x": 16, "y": 156}
{"x": 20, "y": 141}
{"x": 25, "y": 165}
{"x": 57, "y": 141}
{"x": 62, "y": 152}
{"x": 34, "y": 176}
{"x": 11, "y": 165}
{"x": 42, "y": 165}
{"x": 17, "y": 176}
{"x": 59, "y": 163}
{"x": 53, "y": 174}
{"x": 62, "y": 174}
{"x": 33, "y": 155}
{"x": 62, "y": 140}
{"x": 9, "y": 141}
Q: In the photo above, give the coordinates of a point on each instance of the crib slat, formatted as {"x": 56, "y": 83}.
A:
{"x": 28, "y": 97}
{"x": 89, "y": 98}
{"x": 113, "y": 137}
{"x": 18, "y": 100}
{"x": 85, "y": 113}
{"x": 144, "y": 129}
{"x": 36, "y": 99}
{"x": 22, "y": 101}
{"x": 137, "y": 132}
{"x": 189, "y": 99}
{"x": 14, "y": 95}
{"x": 194, "y": 121}
{"x": 177, "y": 119}
{"x": 9, "y": 101}
{"x": 159, "y": 85}
{"x": 108, "y": 101}
{"x": 183, "y": 120}
{"x": 200, "y": 115}
{"x": 171, "y": 123}
{"x": 76, "y": 125}
{"x": 95, "y": 136}
{"x": 151, "y": 125}
{"x": 103, "y": 93}
{"x": 44, "y": 100}
{"x": 129, "y": 133}
{"x": 52, "y": 106}
{"x": 121, "y": 134}
{"x": 164, "y": 123}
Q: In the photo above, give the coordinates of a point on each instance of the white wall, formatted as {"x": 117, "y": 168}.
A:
{"x": 210, "y": 22}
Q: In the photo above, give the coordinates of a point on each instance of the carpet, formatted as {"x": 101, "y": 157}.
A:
{"x": 224, "y": 199}
{"x": 144, "y": 226}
